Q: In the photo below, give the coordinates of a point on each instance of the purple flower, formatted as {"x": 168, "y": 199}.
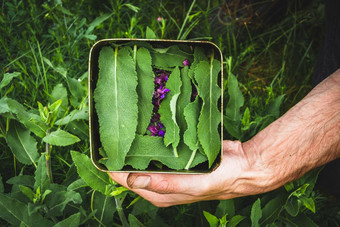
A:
{"x": 161, "y": 133}
{"x": 159, "y": 19}
{"x": 186, "y": 62}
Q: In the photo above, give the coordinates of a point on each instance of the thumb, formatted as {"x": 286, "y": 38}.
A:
{"x": 162, "y": 183}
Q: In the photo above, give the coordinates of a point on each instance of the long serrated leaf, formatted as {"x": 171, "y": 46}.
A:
{"x": 167, "y": 110}
{"x": 145, "y": 89}
{"x": 183, "y": 99}
{"x": 232, "y": 110}
{"x": 191, "y": 113}
{"x": 147, "y": 148}
{"x": 206, "y": 75}
{"x": 88, "y": 172}
{"x": 22, "y": 144}
{"x": 116, "y": 103}
{"x": 199, "y": 55}
{"x": 60, "y": 138}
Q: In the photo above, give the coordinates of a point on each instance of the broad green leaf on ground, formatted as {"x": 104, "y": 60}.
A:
{"x": 40, "y": 175}
{"x": 8, "y": 78}
{"x": 116, "y": 103}
{"x": 212, "y": 220}
{"x": 206, "y": 75}
{"x": 71, "y": 221}
{"x": 60, "y": 138}
{"x": 82, "y": 114}
{"x": 147, "y": 148}
{"x": 145, "y": 89}
{"x": 31, "y": 121}
{"x": 89, "y": 173}
{"x": 167, "y": 110}
{"x": 183, "y": 100}
{"x": 16, "y": 213}
{"x": 22, "y": 144}
{"x": 232, "y": 118}
{"x": 169, "y": 57}
{"x": 256, "y": 213}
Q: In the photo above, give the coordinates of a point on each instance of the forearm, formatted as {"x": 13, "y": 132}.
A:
{"x": 307, "y": 136}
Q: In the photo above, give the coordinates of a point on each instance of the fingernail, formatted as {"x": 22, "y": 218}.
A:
{"x": 140, "y": 182}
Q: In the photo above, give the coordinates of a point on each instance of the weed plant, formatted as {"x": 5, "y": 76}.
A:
{"x": 269, "y": 48}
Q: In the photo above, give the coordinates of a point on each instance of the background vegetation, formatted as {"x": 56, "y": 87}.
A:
{"x": 270, "y": 46}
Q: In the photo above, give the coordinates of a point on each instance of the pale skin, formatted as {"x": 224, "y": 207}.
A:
{"x": 306, "y": 137}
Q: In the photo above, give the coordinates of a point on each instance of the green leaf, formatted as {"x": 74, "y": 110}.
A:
{"x": 40, "y": 175}
{"x": 60, "y": 138}
{"x": 58, "y": 199}
{"x": 183, "y": 100}
{"x": 105, "y": 206}
{"x": 232, "y": 110}
{"x": 212, "y": 220}
{"x": 308, "y": 203}
{"x": 206, "y": 75}
{"x": 82, "y": 114}
{"x": 31, "y": 121}
{"x": 76, "y": 89}
{"x": 167, "y": 110}
{"x": 256, "y": 213}
{"x": 292, "y": 206}
{"x": 225, "y": 207}
{"x": 71, "y": 221}
{"x": 8, "y": 78}
{"x": 4, "y": 108}
{"x": 235, "y": 220}
{"x": 116, "y": 104}
{"x": 59, "y": 92}
{"x": 26, "y": 180}
{"x": 273, "y": 208}
{"x": 27, "y": 192}
{"x": 147, "y": 148}
{"x": 17, "y": 213}
{"x": 88, "y": 172}
{"x": 199, "y": 55}
{"x": 273, "y": 108}
{"x": 80, "y": 183}
{"x": 98, "y": 21}
{"x": 191, "y": 113}
{"x": 150, "y": 34}
{"x": 22, "y": 144}
{"x": 133, "y": 221}
{"x": 169, "y": 57}
{"x": 145, "y": 89}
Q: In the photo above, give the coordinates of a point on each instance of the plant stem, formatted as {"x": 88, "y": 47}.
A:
{"x": 191, "y": 159}
{"x": 175, "y": 152}
{"x": 121, "y": 213}
{"x": 48, "y": 159}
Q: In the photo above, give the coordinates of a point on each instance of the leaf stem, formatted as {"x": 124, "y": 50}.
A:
{"x": 191, "y": 159}
{"x": 48, "y": 159}
{"x": 121, "y": 212}
{"x": 175, "y": 152}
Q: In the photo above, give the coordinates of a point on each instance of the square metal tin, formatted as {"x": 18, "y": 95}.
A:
{"x": 93, "y": 118}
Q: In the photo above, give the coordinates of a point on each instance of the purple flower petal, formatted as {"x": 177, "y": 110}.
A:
{"x": 161, "y": 133}
{"x": 186, "y": 62}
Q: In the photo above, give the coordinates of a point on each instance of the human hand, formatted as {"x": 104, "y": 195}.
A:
{"x": 233, "y": 178}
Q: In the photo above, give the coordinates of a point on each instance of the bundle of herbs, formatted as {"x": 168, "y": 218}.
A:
{"x": 158, "y": 106}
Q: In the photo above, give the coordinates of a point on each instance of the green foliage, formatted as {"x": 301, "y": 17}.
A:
{"x": 44, "y": 50}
